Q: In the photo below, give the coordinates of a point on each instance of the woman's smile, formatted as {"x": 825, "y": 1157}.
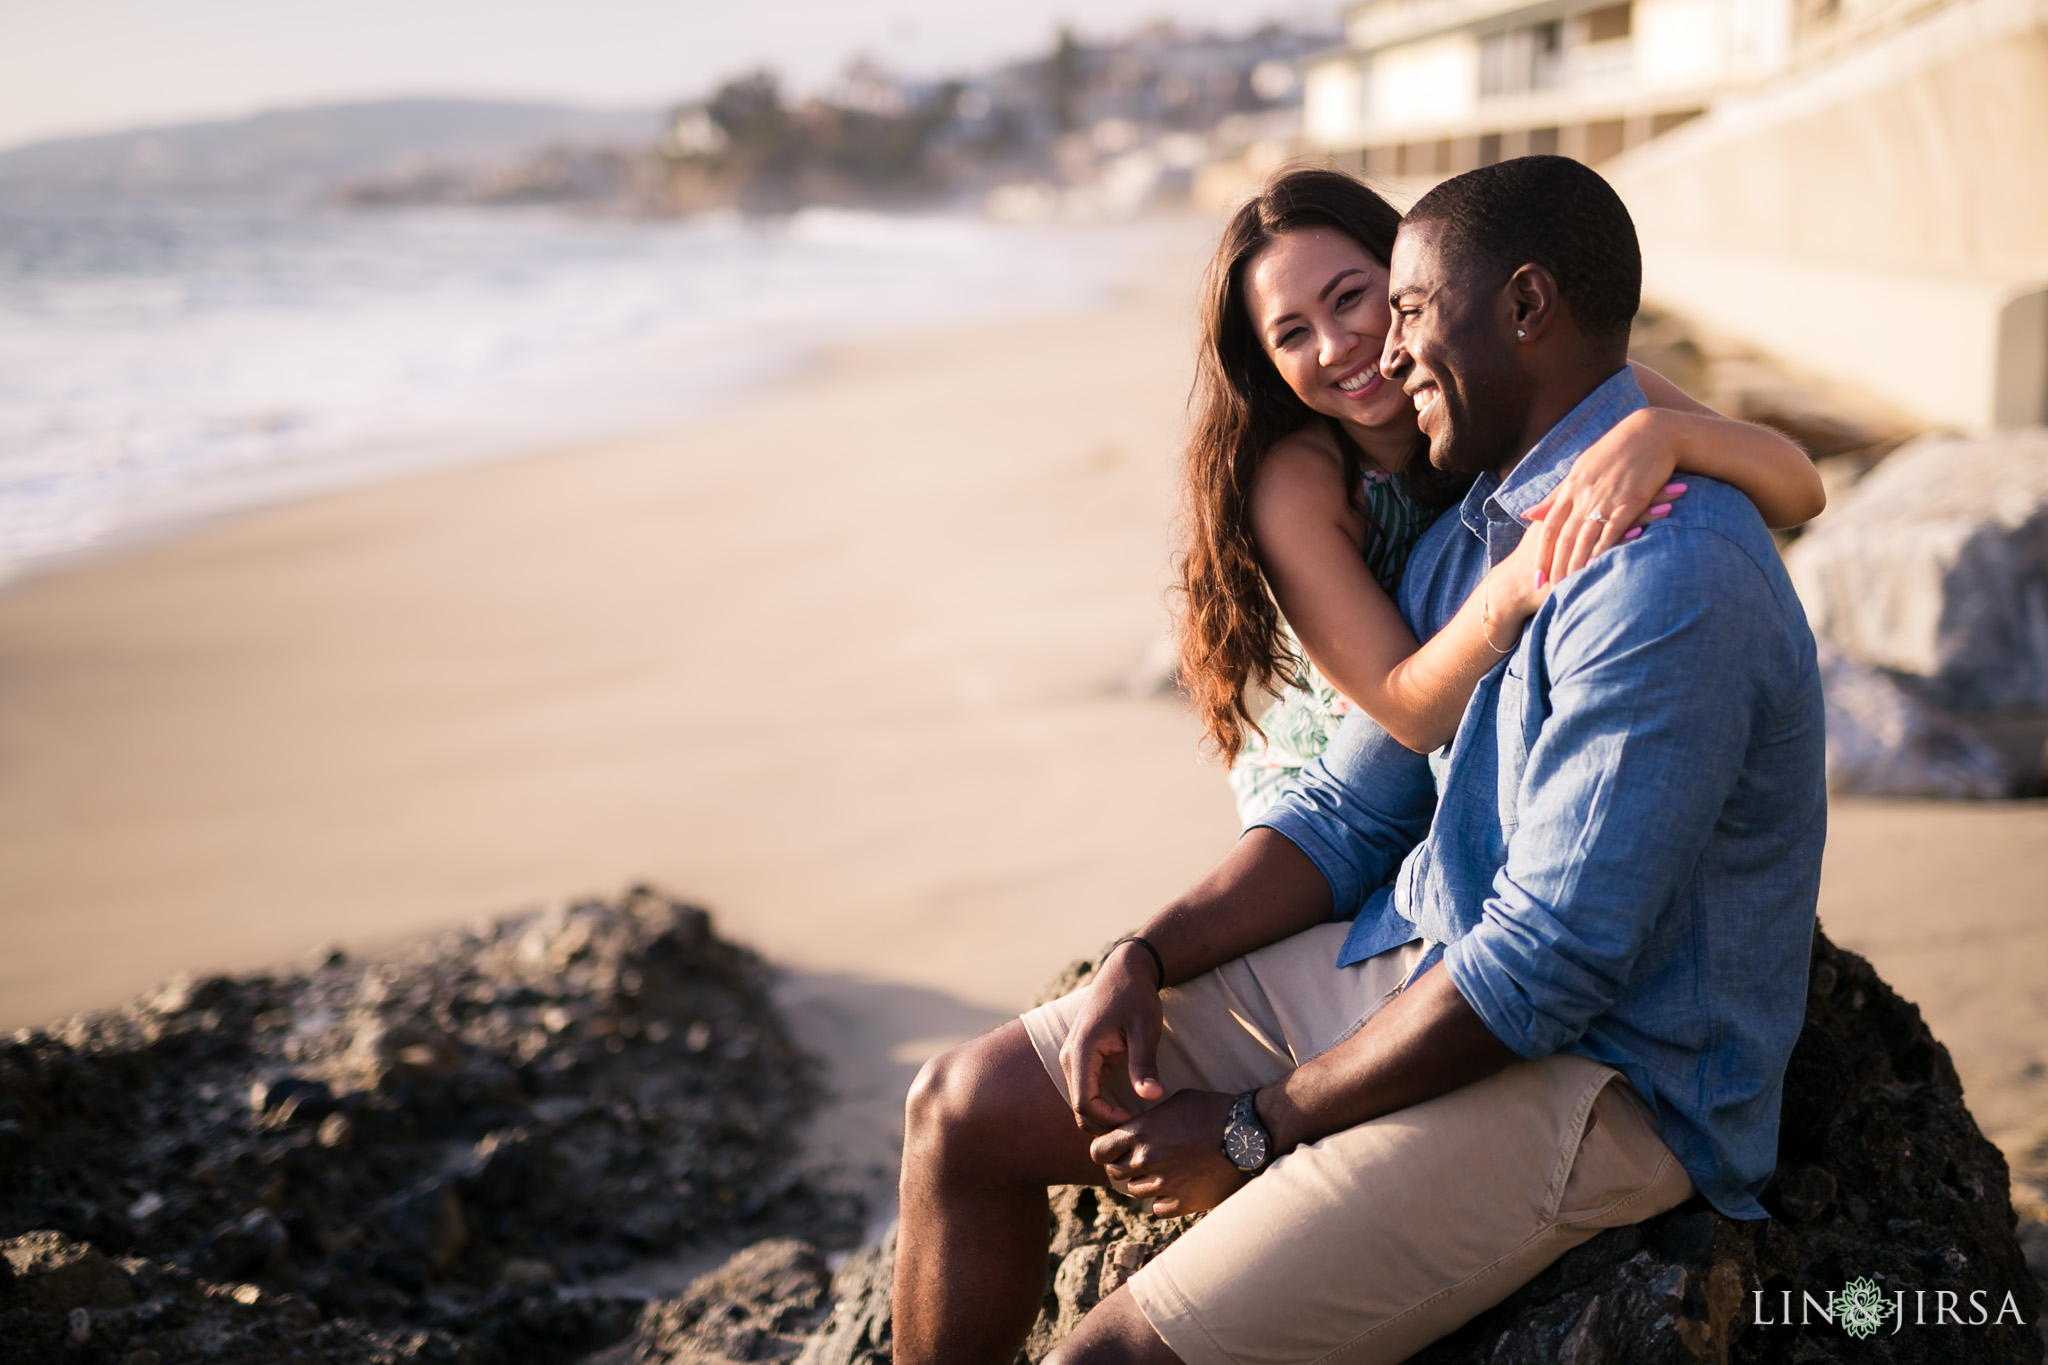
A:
{"x": 1361, "y": 382}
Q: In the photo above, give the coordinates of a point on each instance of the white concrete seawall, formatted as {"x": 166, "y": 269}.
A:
{"x": 1879, "y": 217}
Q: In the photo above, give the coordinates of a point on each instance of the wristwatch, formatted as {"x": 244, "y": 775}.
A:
{"x": 1245, "y": 1140}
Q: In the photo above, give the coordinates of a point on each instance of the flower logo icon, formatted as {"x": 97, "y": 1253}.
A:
{"x": 1861, "y": 1307}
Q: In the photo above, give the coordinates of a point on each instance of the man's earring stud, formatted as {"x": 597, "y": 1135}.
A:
{"x": 1520, "y": 333}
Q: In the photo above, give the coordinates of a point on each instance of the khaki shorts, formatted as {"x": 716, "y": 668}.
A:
{"x": 1377, "y": 1240}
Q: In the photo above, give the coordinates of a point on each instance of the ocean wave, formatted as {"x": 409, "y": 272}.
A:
{"x": 154, "y": 359}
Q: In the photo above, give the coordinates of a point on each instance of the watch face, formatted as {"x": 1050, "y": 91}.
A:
{"x": 1245, "y": 1145}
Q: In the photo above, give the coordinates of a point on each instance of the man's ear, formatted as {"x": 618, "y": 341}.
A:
{"x": 1533, "y": 302}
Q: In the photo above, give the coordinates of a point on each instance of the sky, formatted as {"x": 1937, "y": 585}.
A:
{"x": 85, "y": 66}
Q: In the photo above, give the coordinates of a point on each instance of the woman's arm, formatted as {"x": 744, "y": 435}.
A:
{"x": 1310, "y": 542}
{"x": 1623, "y": 473}
{"x": 1772, "y": 468}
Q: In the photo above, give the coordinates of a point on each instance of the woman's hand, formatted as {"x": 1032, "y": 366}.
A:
{"x": 1173, "y": 1154}
{"x": 1621, "y": 484}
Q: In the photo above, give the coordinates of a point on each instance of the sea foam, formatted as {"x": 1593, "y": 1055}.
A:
{"x": 159, "y": 361}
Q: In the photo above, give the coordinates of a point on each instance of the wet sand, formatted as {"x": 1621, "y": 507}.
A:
{"x": 850, "y": 665}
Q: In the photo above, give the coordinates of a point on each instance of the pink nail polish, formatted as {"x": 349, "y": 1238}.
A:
{"x": 1632, "y": 533}
{"x": 1662, "y": 509}
{"x": 1674, "y": 489}
{"x": 1542, "y": 577}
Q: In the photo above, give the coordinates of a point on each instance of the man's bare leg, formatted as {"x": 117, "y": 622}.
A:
{"x": 984, "y": 1133}
{"x": 1115, "y": 1332}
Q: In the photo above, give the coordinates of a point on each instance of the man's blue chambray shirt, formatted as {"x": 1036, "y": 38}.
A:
{"x": 1625, "y": 850}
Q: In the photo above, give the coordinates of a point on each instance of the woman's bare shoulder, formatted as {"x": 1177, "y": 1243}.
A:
{"x": 1304, "y": 460}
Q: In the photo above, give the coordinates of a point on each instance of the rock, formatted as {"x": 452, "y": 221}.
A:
{"x": 1933, "y": 571}
{"x": 1806, "y": 1192}
{"x": 1883, "y": 1175}
{"x": 187, "y": 993}
{"x": 337, "y": 1131}
{"x": 427, "y": 1223}
{"x": 858, "y": 1332}
{"x": 14, "y": 1149}
{"x": 268, "y": 1095}
{"x": 55, "y": 1275}
{"x": 252, "y": 1245}
{"x": 654, "y": 1227}
{"x": 507, "y": 1167}
{"x": 760, "y": 1305}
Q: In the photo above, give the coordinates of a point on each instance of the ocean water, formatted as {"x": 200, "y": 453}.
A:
{"x": 160, "y": 361}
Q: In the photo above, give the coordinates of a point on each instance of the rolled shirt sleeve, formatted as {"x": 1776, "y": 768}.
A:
{"x": 1356, "y": 811}
{"x": 1646, "y": 715}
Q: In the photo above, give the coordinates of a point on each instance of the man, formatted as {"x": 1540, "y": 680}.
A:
{"x": 1570, "y": 1009}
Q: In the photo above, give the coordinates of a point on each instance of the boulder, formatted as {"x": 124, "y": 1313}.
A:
{"x": 1886, "y": 1196}
{"x": 1933, "y": 572}
{"x": 1885, "y": 741}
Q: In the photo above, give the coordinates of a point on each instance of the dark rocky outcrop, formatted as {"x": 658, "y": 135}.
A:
{"x": 1883, "y": 1176}
{"x": 400, "y": 1160}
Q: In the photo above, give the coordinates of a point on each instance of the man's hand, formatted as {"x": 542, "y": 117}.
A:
{"x": 1173, "y": 1154}
{"x": 1119, "y": 1021}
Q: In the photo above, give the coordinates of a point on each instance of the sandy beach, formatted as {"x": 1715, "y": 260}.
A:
{"x": 850, "y": 665}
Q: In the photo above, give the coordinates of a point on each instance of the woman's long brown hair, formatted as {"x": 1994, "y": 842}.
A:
{"x": 1230, "y": 633}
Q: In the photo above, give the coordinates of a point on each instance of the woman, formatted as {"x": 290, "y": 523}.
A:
{"x": 1306, "y": 484}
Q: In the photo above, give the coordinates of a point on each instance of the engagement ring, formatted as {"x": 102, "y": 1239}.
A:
{"x": 1600, "y": 517}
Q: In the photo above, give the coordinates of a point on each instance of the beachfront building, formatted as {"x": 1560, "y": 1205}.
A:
{"x": 1837, "y": 183}
{"x": 1427, "y": 88}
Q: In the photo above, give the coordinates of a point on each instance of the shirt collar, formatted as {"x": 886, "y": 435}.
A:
{"x": 1492, "y": 500}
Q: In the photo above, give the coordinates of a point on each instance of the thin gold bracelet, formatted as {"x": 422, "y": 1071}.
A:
{"x": 1486, "y": 616}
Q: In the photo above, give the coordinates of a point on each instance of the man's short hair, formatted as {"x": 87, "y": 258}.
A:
{"x": 1549, "y": 211}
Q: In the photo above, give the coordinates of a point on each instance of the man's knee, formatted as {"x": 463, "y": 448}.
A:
{"x": 960, "y": 1094}
{"x": 938, "y": 1099}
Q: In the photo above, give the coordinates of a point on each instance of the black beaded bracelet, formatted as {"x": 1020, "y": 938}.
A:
{"x": 1157, "y": 960}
